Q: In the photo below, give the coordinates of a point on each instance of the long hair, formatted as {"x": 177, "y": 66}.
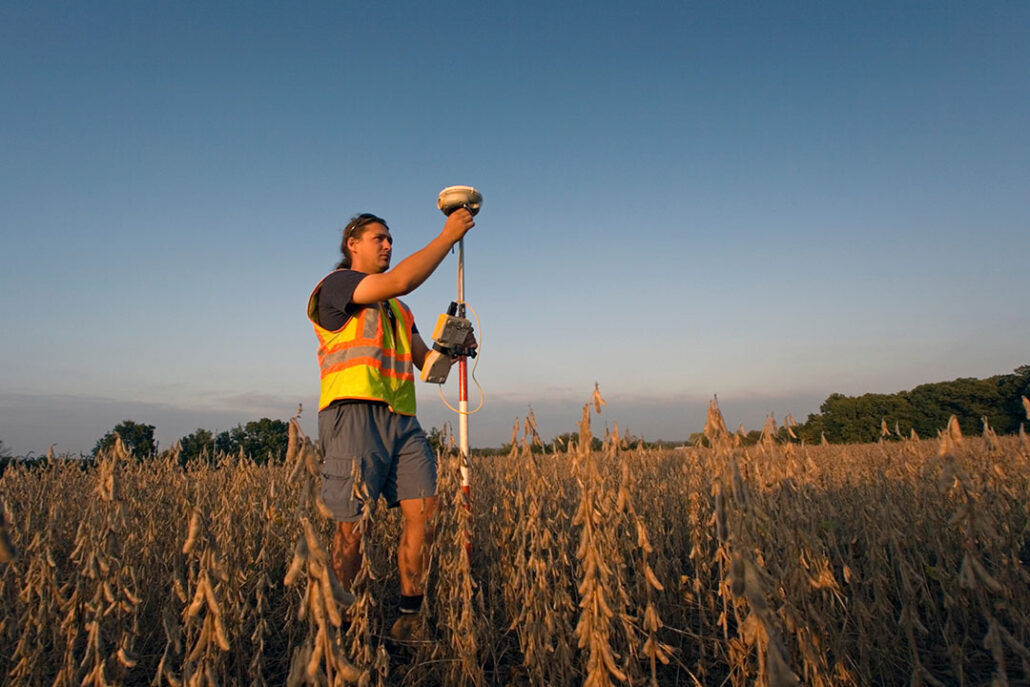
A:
{"x": 354, "y": 229}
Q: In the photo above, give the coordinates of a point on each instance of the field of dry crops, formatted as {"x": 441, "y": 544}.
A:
{"x": 779, "y": 564}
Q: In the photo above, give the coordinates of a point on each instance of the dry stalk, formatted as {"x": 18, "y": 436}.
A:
{"x": 536, "y": 593}
{"x": 455, "y": 592}
{"x": 8, "y": 552}
{"x": 320, "y": 660}
{"x": 203, "y": 624}
{"x": 359, "y": 612}
{"x": 648, "y": 622}
{"x": 106, "y": 597}
{"x": 593, "y": 629}
{"x": 985, "y": 592}
{"x": 854, "y": 550}
{"x": 747, "y": 586}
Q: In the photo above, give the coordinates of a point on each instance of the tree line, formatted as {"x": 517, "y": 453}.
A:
{"x": 924, "y": 409}
{"x": 841, "y": 419}
{"x": 262, "y": 441}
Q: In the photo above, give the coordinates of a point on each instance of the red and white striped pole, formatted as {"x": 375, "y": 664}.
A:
{"x": 463, "y": 384}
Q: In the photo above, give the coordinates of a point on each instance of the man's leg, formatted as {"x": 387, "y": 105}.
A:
{"x": 412, "y": 560}
{"x": 352, "y": 447}
{"x": 415, "y": 489}
{"x": 416, "y": 538}
{"x": 346, "y": 553}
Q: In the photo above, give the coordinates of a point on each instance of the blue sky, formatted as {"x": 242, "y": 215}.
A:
{"x": 767, "y": 201}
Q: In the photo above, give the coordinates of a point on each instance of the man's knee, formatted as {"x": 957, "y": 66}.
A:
{"x": 347, "y": 536}
{"x": 420, "y": 514}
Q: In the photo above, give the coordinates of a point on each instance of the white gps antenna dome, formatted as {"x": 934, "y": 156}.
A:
{"x": 454, "y": 197}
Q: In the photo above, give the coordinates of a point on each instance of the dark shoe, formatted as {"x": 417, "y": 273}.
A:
{"x": 408, "y": 628}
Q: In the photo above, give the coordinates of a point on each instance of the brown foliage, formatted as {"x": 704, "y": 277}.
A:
{"x": 775, "y": 564}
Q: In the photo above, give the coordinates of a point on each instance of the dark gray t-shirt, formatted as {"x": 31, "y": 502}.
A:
{"x": 334, "y": 299}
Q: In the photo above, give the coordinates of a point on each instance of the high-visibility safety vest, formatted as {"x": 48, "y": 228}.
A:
{"x": 369, "y": 358}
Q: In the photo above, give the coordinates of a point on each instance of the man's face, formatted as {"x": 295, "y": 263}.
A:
{"x": 370, "y": 252}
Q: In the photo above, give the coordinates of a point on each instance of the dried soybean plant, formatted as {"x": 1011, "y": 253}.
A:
{"x": 987, "y": 552}
{"x": 203, "y": 625}
{"x": 457, "y": 598}
{"x": 596, "y": 551}
{"x": 320, "y": 659}
{"x": 900, "y": 561}
{"x": 359, "y": 613}
{"x": 644, "y": 624}
{"x": 536, "y": 582}
{"x": 755, "y": 629}
{"x": 106, "y": 595}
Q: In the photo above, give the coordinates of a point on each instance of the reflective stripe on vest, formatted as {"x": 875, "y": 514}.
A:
{"x": 369, "y": 358}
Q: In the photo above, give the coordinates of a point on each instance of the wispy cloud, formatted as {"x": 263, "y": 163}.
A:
{"x": 257, "y": 402}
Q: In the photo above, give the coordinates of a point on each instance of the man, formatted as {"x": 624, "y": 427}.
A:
{"x": 368, "y": 344}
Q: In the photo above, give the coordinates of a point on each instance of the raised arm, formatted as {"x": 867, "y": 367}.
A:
{"x": 410, "y": 272}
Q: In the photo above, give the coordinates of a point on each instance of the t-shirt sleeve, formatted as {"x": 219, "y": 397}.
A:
{"x": 334, "y": 299}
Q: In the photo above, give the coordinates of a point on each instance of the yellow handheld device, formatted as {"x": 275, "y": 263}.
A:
{"x": 449, "y": 337}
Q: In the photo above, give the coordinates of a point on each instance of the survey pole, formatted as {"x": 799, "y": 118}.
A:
{"x": 463, "y": 385}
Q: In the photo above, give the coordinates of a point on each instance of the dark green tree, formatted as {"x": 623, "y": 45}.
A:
{"x": 200, "y": 444}
{"x": 138, "y": 439}
{"x": 261, "y": 441}
{"x": 562, "y": 441}
{"x": 435, "y": 437}
{"x": 811, "y": 430}
{"x": 1013, "y": 388}
{"x": 925, "y": 409}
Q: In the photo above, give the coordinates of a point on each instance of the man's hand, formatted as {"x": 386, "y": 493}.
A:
{"x": 469, "y": 345}
{"x": 457, "y": 225}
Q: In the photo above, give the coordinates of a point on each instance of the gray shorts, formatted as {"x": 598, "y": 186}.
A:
{"x": 392, "y": 450}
